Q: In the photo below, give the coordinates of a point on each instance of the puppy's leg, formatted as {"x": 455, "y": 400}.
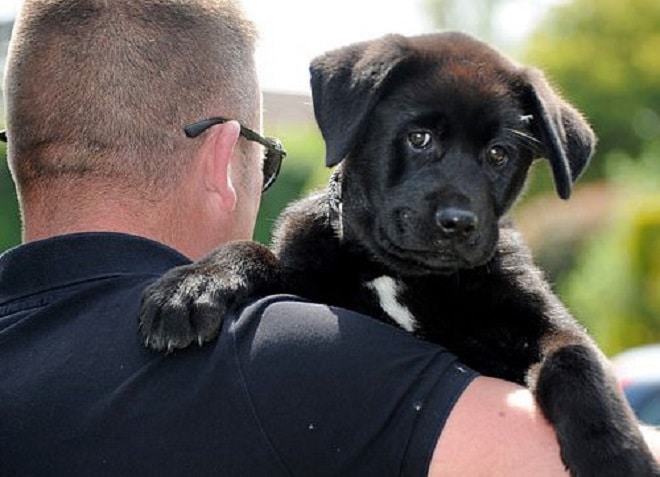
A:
{"x": 188, "y": 303}
{"x": 579, "y": 395}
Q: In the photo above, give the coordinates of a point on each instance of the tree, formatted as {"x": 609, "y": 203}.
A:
{"x": 615, "y": 286}
{"x": 504, "y": 23}
{"x": 303, "y": 169}
{"x": 605, "y": 55}
{"x": 9, "y": 221}
{"x": 473, "y": 16}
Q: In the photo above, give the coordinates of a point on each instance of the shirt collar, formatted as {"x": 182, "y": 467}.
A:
{"x": 64, "y": 260}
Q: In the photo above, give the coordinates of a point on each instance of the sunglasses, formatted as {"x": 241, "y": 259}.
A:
{"x": 275, "y": 153}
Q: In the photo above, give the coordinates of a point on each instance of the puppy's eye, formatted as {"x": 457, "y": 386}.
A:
{"x": 419, "y": 139}
{"x": 497, "y": 155}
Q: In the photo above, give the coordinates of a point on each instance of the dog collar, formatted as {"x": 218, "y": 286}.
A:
{"x": 334, "y": 203}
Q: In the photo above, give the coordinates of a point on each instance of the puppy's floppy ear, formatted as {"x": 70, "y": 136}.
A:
{"x": 346, "y": 84}
{"x": 568, "y": 139}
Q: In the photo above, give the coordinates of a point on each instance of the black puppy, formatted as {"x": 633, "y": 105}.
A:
{"x": 435, "y": 135}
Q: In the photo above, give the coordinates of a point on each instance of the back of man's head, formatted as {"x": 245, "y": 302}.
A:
{"x": 101, "y": 89}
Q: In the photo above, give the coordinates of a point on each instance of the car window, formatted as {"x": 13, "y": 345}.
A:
{"x": 649, "y": 411}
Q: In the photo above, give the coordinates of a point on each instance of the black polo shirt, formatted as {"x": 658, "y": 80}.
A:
{"x": 289, "y": 388}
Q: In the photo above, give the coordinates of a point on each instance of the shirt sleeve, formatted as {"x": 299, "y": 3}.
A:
{"x": 339, "y": 393}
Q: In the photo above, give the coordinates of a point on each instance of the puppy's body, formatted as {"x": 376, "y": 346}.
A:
{"x": 492, "y": 316}
{"x": 435, "y": 136}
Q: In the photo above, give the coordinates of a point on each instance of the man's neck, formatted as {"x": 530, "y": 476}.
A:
{"x": 169, "y": 222}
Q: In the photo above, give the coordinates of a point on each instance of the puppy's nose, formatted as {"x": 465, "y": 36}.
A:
{"x": 455, "y": 221}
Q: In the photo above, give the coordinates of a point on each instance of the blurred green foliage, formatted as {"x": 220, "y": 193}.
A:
{"x": 302, "y": 171}
{"x": 476, "y": 17}
{"x": 9, "y": 218}
{"x": 615, "y": 286}
{"x": 605, "y": 56}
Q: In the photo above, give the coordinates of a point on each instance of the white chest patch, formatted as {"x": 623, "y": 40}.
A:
{"x": 387, "y": 290}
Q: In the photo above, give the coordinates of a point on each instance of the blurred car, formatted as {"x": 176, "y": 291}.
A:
{"x": 638, "y": 370}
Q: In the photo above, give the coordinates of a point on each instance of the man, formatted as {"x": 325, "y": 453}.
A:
{"x": 112, "y": 195}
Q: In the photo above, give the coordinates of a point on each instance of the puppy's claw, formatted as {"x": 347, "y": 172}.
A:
{"x": 183, "y": 307}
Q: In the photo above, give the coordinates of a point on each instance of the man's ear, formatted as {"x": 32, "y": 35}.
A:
{"x": 222, "y": 141}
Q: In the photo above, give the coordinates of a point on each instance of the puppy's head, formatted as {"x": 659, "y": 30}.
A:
{"x": 436, "y": 134}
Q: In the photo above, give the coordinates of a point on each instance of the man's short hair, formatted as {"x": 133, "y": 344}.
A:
{"x": 103, "y": 88}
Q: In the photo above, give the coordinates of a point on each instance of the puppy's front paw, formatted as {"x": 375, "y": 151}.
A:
{"x": 185, "y": 306}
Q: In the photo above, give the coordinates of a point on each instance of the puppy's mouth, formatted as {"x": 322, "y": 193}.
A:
{"x": 436, "y": 256}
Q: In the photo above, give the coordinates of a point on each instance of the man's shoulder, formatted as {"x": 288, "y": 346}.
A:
{"x": 291, "y": 316}
{"x": 318, "y": 340}
{"x": 321, "y": 377}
